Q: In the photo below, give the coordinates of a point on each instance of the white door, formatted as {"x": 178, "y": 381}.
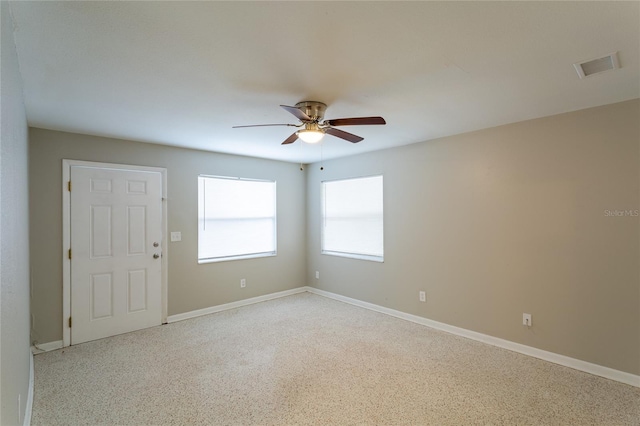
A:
{"x": 116, "y": 232}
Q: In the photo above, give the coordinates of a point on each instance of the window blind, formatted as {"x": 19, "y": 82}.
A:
{"x": 236, "y": 218}
{"x": 353, "y": 218}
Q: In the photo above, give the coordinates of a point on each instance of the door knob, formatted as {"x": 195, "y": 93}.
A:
{"x": 156, "y": 244}
{"x": 156, "y": 255}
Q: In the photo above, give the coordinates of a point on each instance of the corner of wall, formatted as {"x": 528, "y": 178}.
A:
{"x": 14, "y": 228}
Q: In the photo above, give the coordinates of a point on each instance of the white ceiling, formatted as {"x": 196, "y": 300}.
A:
{"x": 183, "y": 73}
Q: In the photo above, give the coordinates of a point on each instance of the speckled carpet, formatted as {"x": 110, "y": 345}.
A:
{"x": 306, "y": 359}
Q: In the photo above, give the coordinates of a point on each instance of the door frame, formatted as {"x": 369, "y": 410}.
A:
{"x": 66, "y": 237}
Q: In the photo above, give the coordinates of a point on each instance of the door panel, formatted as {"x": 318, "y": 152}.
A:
{"x": 101, "y": 230}
{"x": 116, "y": 218}
{"x": 137, "y": 285}
{"x": 101, "y": 296}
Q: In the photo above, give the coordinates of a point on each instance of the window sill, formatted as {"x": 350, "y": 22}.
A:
{"x": 240, "y": 257}
{"x": 379, "y": 259}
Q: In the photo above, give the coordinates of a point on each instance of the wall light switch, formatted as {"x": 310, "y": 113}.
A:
{"x": 176, "y": 236}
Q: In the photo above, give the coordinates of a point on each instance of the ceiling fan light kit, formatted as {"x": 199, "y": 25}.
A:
{"x": 310, "y": 136}
{"x": 311, "y": 116}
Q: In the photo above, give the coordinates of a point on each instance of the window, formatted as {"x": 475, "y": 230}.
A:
{"x": 236, "y": 218}
{"x": 352, "y": 218}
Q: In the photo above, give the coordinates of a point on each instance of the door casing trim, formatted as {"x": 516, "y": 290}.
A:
{"x": 66, "y": 237}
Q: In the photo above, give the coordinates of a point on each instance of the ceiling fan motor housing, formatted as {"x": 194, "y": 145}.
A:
{"x": 315, "y": 110}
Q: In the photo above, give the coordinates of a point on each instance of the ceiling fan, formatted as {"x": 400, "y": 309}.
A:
{"x": 313, "y": 128}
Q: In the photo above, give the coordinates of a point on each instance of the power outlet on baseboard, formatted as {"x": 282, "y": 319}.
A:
{"x": 317, "y": 275}
{"x": 526, "y": 320}
{"x": 243, "y": 283}
{"x": 423, "y": 296}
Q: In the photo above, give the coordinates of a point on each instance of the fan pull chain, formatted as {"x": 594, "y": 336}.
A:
{"x": 321, "y": 156}
{"x": 301, "y": 166}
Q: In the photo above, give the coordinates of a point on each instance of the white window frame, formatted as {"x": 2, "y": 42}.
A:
{"x": 360, "y": 256}
{"x": 247, "y": 255}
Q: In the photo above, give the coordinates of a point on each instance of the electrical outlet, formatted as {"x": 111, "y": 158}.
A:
{"x": 423, "y": 296}
{"x": 176, "y": 236}
{"x": 243, "y": 283}
{"x": 317, "y": 275}
{"x": 526, "y": 320}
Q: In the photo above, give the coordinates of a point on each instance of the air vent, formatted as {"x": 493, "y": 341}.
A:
{"x": 597, "y": 66}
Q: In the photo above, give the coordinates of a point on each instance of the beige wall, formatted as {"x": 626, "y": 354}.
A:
{"x": 14, "y": 235}
{"x": 503, "y": 221}
{"x": 490, "y": 224}
{"x": 191, "y": 286}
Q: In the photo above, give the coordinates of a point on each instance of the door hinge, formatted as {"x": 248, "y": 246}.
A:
{"x": 69, "y": 322}
{"x": 69, "y": 253}
{"x": 69, "y": 186}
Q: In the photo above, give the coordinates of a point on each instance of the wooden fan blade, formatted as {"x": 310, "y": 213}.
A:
{"x": 263, "y": 125}
{"x": 295, "y": 111}
{"x": 343, "y": 135}
{"x": 355, "y": 121}
{"x": 291, "y": 139}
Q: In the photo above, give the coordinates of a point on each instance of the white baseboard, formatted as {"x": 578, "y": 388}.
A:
{"x": 233, "y": 305}
{"x": 39, "y": 348}
{"x": 29, "y": 407}
{"x": 587, "y": 367}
